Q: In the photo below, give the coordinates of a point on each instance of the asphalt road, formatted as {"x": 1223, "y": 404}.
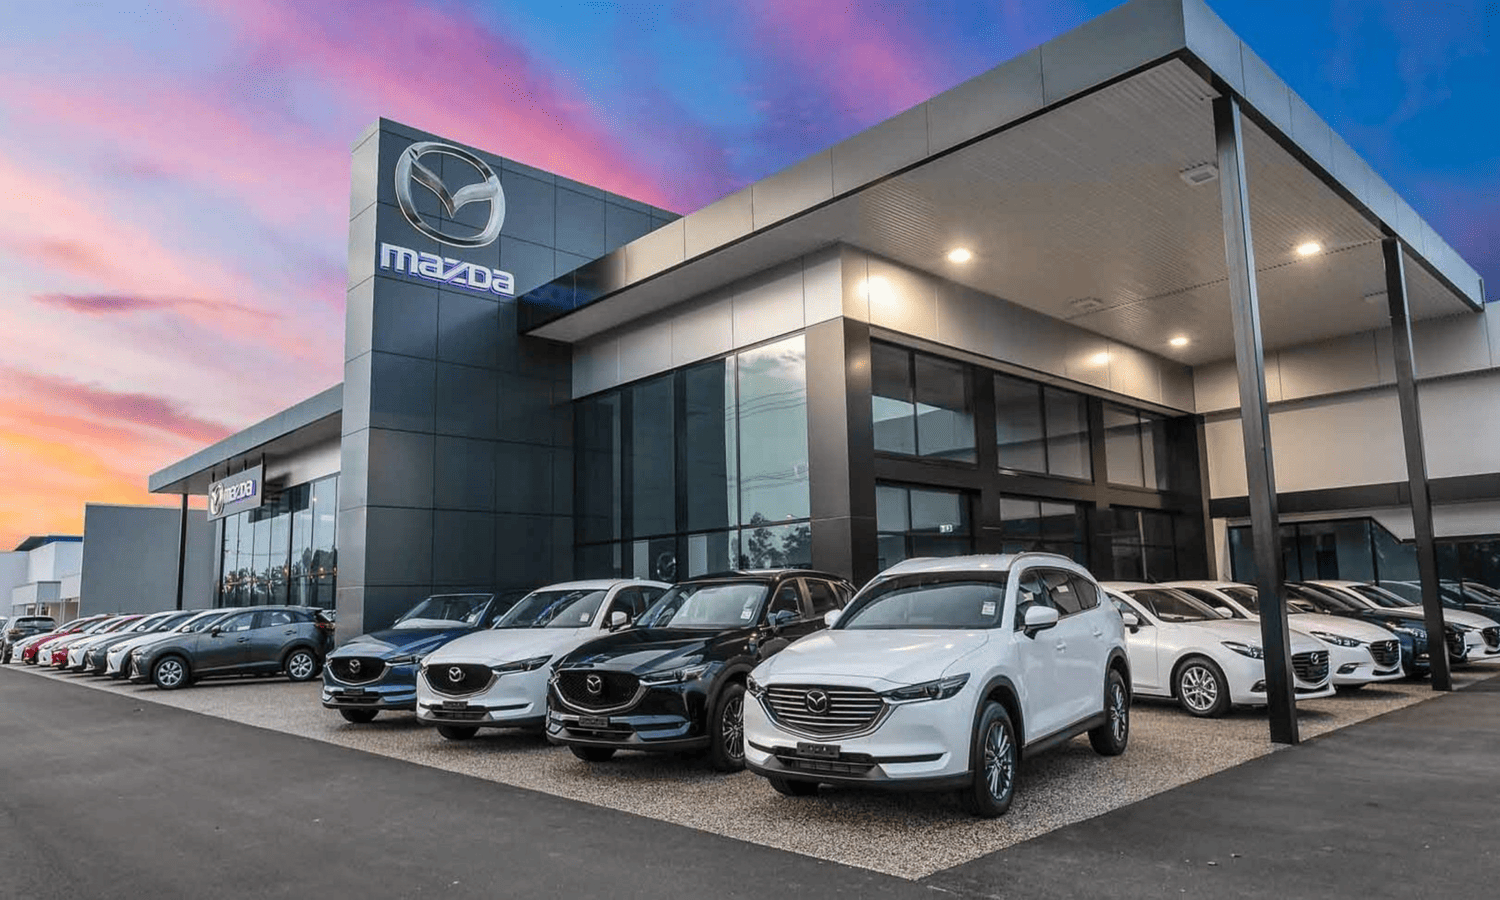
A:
{"x": 106, "y": 796}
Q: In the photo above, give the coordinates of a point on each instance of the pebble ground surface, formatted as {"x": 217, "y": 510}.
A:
{"x": 904, "y": 834}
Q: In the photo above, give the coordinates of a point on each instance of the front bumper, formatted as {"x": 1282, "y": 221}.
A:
{"x": 395, "y": 689}
{"x": 512, "y": 700}
{"x": 665, "y": 719}
{"x": 1356, "y": 665}
{"x": 914, "y": 746}
{"x": 1247, "y": 682}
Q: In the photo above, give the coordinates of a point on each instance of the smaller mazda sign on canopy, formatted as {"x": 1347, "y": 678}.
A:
{"x": 236, "y": 493}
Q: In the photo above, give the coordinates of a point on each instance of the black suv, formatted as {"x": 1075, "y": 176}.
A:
{"x": 19, "y": 629}
{"x": 676, "y": 681}
{"x": 261, "y": 640}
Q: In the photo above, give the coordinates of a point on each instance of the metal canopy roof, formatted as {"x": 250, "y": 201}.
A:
{"x": 1074, "y": 204}
{"x": 316, "y": 420}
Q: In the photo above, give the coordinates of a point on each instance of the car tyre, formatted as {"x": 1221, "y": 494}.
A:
{"x": 793, "y": 787}
{"x": 1201, "y": 688}
{"x": 726, "y": 749}
{"x": 1111, "y": 738}
{"x": 457, "y": 732}
{"x": 359, "y": 716}
{"x": 300, "y": 665}
{"x": 170, "y": 673}
{"x": 593, "y": 754}
{"x": 996, "y": 760}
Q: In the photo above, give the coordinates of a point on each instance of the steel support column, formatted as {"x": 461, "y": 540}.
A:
{"x": 1249, "y": 357}
{"x": 1416, "y": 462}
{"x": 181, "y": 548}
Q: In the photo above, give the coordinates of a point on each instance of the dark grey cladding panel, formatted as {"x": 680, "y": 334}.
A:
{"x": 530, "y": 208}
{"x": 468, "y": 329}
{"x": 354, "y": 469}
{"x": 528, "y": 413}
{"x": 531, "y": 264}
{"x": 398, "y": 546}
{"x": 524, "y": 547}
{"x": 464, "y": 474}
{"x": 383, "y": 604}
{"x": 463, "y": 548}
{"x": 580, "y": 224}
{"x": 405, "y": 319}
{"x": 623, "y": 224}
{"x": 401, "y": 392}
{"x": 523, "y": 478}
{"x": 465, "y": 401}
{"x": 352, "y": 528}
{"x": 400, "y": 465}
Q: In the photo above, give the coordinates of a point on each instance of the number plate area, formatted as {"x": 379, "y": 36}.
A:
{"x": 353, "y": 692}
{"x": 455, "y": 704}
{"x": 818, "y": 751}
{"x": 593, "y": 721}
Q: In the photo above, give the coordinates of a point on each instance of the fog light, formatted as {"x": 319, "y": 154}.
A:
{"x": 1347, "y": 668}
{"x": 1258, "y": 687}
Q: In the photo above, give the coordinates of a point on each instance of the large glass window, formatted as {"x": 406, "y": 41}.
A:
{"x": 599, "y": 454}
{"x": 1135, "y": 447}
{"x": 1041, "y": 429}
{"x": 773, "y": 432}
{"x": 283, "y": 552}
{"x": 711, "y": 473}
{"x": 922, "y": 405}
{"x": 1027, "y": 524}
{"x": 653, "y": 483}
{"x": 1143, "y": 545}
{"x": 914, "y": 521}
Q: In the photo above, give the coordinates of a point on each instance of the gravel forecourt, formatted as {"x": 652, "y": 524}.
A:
{"x": 903, "y": 834}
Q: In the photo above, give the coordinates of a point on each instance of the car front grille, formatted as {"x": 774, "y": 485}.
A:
{"x": 460, "y": 715}
{"x": 1491, "y": 637}
{"x": 824, "y": 711}
{"x": 457, "y": 679}
{"x": 592, "y": 689}
{"x": 1311, "y": 667}
{"x": 1457, "y": 646}
{"x": 1386, "y": 653}
{"x": 356, "y": 669}
{"x": 848, "y": 764}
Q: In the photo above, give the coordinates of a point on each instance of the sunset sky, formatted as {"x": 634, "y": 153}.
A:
{"x": 174, "y": 175}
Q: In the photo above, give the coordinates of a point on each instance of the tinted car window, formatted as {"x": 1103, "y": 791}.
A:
{"x": 241, "y": 622}
{"x": 787, "y": 600}
{"x": 822, "y": 595}
{"x": 1031, "y": 591}
{"x": 1172, "y": 606}
{"x": 272, "y": 617}
{"x": 630, "y": 602}
{"x": 1087, "y": 591}
{"x": 1064, "y": 593}
{"x": 707, "y": 605}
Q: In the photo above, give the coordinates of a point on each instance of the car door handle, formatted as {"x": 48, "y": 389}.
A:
{"x": 1062, "y": 645}
{"x": 1098, "y": 632}
{"x": 294, "y": 631}
{"x": 243, "y": 641}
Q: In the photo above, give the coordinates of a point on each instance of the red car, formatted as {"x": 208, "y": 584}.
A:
{"x": 29, "y": 655}
{"x": 61, "y": 648}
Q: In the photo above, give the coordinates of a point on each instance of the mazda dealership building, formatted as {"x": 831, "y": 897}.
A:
{"x": 1027, "y": 313}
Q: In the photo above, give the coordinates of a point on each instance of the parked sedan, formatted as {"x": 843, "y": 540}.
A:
{"x": 676, "y": 682}
{"x": 1480, "y": 636}
{"x": 265, "y": 640}
{"x": 55, "y": 653}
{"x": 497, "y": 678}
{"x": 1361, "y": 652}
{"x": 1183, "y": 649}
{"x": 122, "y": 625}
{"x": 1468, "y": 597}
{"x": 94, "y": 659}
{"x": 30, "y": 649}
{"x": 19, "y": 629}
{"x": 378, "y": 670}
{"x": 117, "y": 659}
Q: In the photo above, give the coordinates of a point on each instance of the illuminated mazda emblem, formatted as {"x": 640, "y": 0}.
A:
{"x": 354, "y": 666}
{"x": 216, "y": 501}
{"x": 410, "y": 170}
{"x": 455, "y": 674}
{"x": 816, "y": 702}
{"x": 594, "y": 684}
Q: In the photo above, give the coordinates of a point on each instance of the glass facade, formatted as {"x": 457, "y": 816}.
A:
{"x": 699, "y": 470}
{"x": 1362, "y": 549}
{"x": 285, "y": 552}
{"x": 921, "y": 522}
{"x": 1135, "y": 447}
{"x": 922, "y": 405}
{"x": 1048, "y": 526}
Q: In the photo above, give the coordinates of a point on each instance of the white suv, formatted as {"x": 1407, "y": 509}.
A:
{"x": 941, "y": 674}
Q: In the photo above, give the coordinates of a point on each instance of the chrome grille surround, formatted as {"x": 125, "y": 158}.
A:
{"x": 848, "y": 712}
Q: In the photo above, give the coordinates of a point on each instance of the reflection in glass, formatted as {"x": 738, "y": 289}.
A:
{"x": 596, "y": 425}
{"x": 944, "y": 408}
{"x": 764, "y": 545}
{"x": 773, "y": 432}
{"x": 653, "y": 482}
{"x": 1122, "y": 446}
{"x": 1067, "y": 434}
{"x": 921, "y": 522}
{"x": 713, "y": 552}
{"x": 711, "y": 472}
{"x": 1018, "y": 425}
{"x": 891, "y": 401}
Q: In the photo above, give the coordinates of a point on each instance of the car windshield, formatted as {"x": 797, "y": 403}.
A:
{"x": 1382, "y": 597}
{"x": 1173, "y": 606}
{"x": 202, "y": 621}
{"x": 169, "y": 622}
{"x": 554, "y": 609}
{"x": 148, "y": 623}
{"x": 947, "y": 602}
{"x": 707, "y": 605}
{"x": 35, "y": 623}
{"x": 446, "y": 609}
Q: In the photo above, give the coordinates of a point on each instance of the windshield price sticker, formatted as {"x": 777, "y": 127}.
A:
{"x": 745, "y": 614}
{"x": 988, "y": 608}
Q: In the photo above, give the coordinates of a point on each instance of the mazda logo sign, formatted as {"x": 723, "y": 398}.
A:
{"x": 354, "y": 666}
{"x": 216, "y": 501}
{"x": 410, "y": 170}
{"x": 594, "y": 684}
{"x": 816, "y": 702}
{"x": 455, "y": 674}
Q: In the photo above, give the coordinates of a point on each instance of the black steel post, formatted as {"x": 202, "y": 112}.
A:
{"x": 1416, "y": 463}
{"x": 1249, "y": 356}
{"x": 181, "y": 547}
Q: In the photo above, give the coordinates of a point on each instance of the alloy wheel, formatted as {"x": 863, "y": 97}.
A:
{"x": 169, "y": 673}
{"x": 999, "y": 761}
{"x": 1199, "y": 688}
{"x": 300, "y": 666}
{"x": 1119, "y": 713}
{"x": 734, "y": 727}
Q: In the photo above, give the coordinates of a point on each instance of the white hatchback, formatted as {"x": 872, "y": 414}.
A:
{"x": 497, "y": 678}
{"x": 1184, "y": 649}
{"x": 942, "y": 674}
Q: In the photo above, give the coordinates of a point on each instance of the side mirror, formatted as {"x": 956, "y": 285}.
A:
{"x": 1224, "y": 612}
{"x": 618, "y": 619}
{"x": 216, "y": 631}
{"x": 831, "y": 617}
{"x": 1039, "y": 618}
{"x": 780, "y": 619}
{"x": 1132, "y": 621}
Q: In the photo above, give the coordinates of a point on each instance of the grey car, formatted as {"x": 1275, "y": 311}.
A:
{"x": 262, "y": 640}
{"x": 19, "y": 629}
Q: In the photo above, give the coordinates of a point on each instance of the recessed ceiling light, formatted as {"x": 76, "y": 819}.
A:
{"x": 1178, "y": 341}
{"x": 1309, "y": 248}
{"x": 960, "y": 255}
{"x": 1100, "y": 359}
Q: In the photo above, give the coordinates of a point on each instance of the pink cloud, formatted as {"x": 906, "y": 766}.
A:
{"x": 108, "y": 304}
{"x": 143, "y": 411}
{"x": 442, "y": 70}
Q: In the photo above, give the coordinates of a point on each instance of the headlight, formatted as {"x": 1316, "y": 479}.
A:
{"x": 409, "y": 659}
{"x": 525, "y": 665}
{"x": 753, "y": 687}
{"x": 1407, "y": 630}
{"x": 1460, "y": 628}
{"x": 1251, "y": 650}
{"x": 941, "y": 689}
{"x": 1336, "y": 640}
{"x": 676, "y": 676}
